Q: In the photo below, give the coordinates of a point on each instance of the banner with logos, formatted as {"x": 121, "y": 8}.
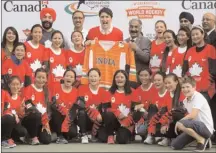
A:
{"x": 24, "y": 14}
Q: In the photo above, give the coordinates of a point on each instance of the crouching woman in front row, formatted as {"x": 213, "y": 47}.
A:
{"x": 63, "y": 120}
{"x": 119, "y": 116}
{"x": 12, "y": 112}
{"x": 36, "y": 119}
{"x": 89, "y": 102}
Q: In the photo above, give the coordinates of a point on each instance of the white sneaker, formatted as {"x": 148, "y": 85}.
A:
{"x": 157, "y": 139}
{"x": 84, "y": 139}
{"x": 165, "y": 142}
{"x": 149, "y": 140}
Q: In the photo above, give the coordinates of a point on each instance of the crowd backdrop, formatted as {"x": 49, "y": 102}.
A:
{"x": 23, "y": 14}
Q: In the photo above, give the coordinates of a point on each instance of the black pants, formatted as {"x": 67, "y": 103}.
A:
{"x": 86, "y": 125}
{"x": 56, "y": 124}
{"x": 169, "y": 134}
{"x": 10, "y": 129}
{"x": 112, "y": 124}
{"x": 33, "y": 124}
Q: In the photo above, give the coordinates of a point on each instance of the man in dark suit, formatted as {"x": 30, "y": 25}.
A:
{"x": 139, "y": 44}
{"x": 208, "y": 23}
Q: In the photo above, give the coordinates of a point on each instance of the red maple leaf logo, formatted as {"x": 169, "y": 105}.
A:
{"x": 27, "y": 32}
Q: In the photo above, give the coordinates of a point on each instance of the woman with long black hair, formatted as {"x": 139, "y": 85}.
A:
{"x": 10, "y": 38}
{"x": 171, "y": 45}
{"x": 64, "y": 95}
{"x": 36, "y": 119}
{"x": 185, "y": 43}
{"x": 119, "y": 115}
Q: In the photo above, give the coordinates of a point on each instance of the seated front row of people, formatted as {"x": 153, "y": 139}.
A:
{"x": 154, "y": 110}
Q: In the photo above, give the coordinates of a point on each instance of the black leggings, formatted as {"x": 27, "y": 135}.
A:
{"x": 56, "y": 124}
{"x": 33, "y": 124}
{"x": 112, "y": 124}
{"x": 10, "y": 129}
{"x": 86, "y": 125}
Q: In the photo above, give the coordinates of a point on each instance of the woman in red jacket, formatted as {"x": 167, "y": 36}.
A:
{"x": 91, "y": 97}
{"x": 157, "y": 47}
{"x": 159, "y": 106}
{"x": 18, "y": 66}
{"x": 36, "y": 119}
{"x": 64, "y": 95}
{"x": 13, "y": 112}
{"x": 75, "y": 56}
{"x": 34, "y": 50}
{"x": 119, "y": 115}
{"x": 175, "y": 111}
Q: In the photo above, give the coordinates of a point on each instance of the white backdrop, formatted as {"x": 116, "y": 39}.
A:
{"x": 23, "y": 14}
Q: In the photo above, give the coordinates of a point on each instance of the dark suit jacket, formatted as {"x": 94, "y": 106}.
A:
{"x": 212, "y": 38}
{"x": 142, "y": 54}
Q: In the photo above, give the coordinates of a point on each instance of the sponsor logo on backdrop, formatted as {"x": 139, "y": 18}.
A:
{"x": 13, "y": 6}
{"x": 145, "y": 10}
{"x": 89, "y": 8}
{"x": 26, "y": 32}
{"x": 197, "y": 5}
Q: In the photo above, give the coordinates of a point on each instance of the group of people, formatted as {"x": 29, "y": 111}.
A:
{"x": 95, "y": 83}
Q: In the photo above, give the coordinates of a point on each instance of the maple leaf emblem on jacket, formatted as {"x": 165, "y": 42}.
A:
{"x": 78, "y": 69}
{"x": 40, "y": 108}
{"x": 155, "y": 61}
{"x": 195, "y": 70}
{"x": 35, "y": 65}
{"x": 124, "y": 110}
{"x": 178, "y": 70}
{"x": 58, "y": 71}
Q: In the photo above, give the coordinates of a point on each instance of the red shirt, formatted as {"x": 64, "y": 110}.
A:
{"x": 199, "y": 67}
{"x": 21, "y": 70}
{"x": 76, "y": 60}
{"x": 177, "y": 62}
{"x": 92, "y": 99}
{"x": 115, "y": 35}
{"x": 34, "y": 56}
{"x": 156, "y": 56}
{"x": 57, "y": 66}
{"x": 146, "y": 96}
{"x": 121, "y": 103}
{"x": 38, "y": 99}
{"x": 164, "y": 100}
{"x": 64, "y": 99}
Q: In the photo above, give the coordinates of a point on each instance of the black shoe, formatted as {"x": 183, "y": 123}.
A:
{"x": 201, "y": 147}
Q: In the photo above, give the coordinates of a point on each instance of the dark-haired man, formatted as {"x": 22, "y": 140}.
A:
{"x": 105, "y": 31}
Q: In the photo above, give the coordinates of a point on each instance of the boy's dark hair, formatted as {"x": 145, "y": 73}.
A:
{"x": 190, "y": 80}
{"x": 107, "y": 11}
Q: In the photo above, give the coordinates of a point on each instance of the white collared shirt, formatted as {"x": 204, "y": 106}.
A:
{"x": 208, "y": 33}
{"x": 106, "y": 32}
